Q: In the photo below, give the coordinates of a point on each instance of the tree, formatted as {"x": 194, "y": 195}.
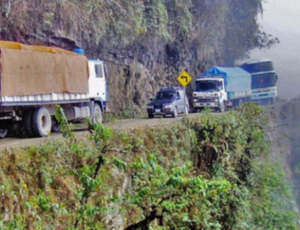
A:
{"x": 172, "y": 197}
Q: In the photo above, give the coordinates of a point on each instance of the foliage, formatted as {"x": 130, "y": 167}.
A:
{"x": 205, "y": 173}
{"x": 177, "y": 196}
{"x": 180, "y": 24}
{"x": 66, "y": 127}
{"x": 247, "y": 34}
{"x": 288, "y": 116}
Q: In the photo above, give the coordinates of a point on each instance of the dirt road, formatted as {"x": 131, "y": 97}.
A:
{"x": 8, "y": 143}
{"x": 11, "y": 143}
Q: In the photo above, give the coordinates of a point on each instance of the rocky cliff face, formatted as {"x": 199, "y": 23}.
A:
{"x": 290, "y": 137}
{"x": 285, "y": 138}
{"x": 145, "y": 43}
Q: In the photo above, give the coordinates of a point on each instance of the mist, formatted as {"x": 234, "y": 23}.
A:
{"x": 281, "y": 19}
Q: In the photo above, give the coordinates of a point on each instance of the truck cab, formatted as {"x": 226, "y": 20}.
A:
{"x": 98, "y": 88}
{"x": 264, "y": 80}
{"x": 209, "y": 92}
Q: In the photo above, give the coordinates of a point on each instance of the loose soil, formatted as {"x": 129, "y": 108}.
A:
{"x": 12, "y": 143}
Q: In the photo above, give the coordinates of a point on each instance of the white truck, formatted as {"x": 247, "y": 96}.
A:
{"x": 221, "y": 87}
{"x": 36, "y": 78}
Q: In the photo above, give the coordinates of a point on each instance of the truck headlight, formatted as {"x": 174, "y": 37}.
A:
{"x": 169, "y": 106}
{"x": 149, "y": 106}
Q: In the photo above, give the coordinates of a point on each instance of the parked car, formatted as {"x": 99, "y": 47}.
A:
{"x": 168, "y": 101}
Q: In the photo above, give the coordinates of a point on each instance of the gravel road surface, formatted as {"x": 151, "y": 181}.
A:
{"x": 11, "y": 142}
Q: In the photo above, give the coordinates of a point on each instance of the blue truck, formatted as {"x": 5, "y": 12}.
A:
{"x": 221, "y": 87}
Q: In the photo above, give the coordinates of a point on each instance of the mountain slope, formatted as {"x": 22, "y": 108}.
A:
{"x": 146, "y": 43}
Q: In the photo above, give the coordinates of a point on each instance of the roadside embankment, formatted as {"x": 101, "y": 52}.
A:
{"x": 205, "y": 172}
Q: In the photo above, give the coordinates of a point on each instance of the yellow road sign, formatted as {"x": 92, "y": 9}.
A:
{"x": 184, "y": 78}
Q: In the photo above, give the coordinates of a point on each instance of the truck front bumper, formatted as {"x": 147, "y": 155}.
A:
{"x": 203, "y": 102}
{"x": 161, "y": 111}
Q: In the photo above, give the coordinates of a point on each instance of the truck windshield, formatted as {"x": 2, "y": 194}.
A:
{"x": 263, "y": 80}
{"x": 165, "y": 95}
{"x": 262, "y": 66}
{"x": 206, "y": 86}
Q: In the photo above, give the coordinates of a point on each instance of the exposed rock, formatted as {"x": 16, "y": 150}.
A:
{"x": 153, "y": 42}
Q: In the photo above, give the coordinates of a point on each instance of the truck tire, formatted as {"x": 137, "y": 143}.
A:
{"x": 150, "y": 115}
{"x": 3, "y": 133}
{"x": 240, "y": 103}
{"x": 41, "y": 122}
{"x": 55, "y": 126}
{"x": 27, "y": 122}
{"x": 175, "y": 113}
{"x": 97, "y": 114}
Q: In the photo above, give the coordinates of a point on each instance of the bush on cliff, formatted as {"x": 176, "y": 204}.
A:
{"x": 207, "y": 173}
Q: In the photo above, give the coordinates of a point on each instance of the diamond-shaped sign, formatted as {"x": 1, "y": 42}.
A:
{"x": 184, "y": 78}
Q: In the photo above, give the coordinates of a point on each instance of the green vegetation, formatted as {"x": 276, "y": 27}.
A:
{"x": 179, "y": 24}
{"x": 146, "y": 43}
{"x": 288, "y": 116}
{"x": 206, "y": 173}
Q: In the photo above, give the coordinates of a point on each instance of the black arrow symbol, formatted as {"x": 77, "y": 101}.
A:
{"x": 184, "y": 77}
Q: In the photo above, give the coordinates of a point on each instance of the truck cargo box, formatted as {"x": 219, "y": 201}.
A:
{"x": 237, "y": 80}
{"x": 38, "y": 70}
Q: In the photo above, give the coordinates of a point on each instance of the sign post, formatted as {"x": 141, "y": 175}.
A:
{"x": 184, "y": 79}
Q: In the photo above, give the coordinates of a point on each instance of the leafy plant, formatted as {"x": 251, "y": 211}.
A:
{"x": 211, "y": 172}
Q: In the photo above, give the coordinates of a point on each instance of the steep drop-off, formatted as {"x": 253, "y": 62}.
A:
{"x": 204, "y": 173}
{"x": 286, "y": 139}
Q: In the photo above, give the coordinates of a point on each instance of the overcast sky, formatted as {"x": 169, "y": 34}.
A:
{"x": 281, "y": 18}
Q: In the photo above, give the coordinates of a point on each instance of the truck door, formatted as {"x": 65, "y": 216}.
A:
{"x": 223, "y": 93}
{"x": 97, "y": 81}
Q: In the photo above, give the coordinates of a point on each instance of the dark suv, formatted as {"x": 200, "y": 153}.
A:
{"x": 168, "y": 101}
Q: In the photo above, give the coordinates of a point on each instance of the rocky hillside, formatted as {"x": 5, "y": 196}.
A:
{"x": 286, "y": 139}
{"x": 145, "y": 43}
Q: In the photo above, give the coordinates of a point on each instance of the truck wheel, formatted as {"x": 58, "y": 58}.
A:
{"x": 41, "y": 122}
{"x": 27, "y": 122}
{"x": 97, "y": 116}
{"x": 175, "y": 113}
{"x": 150, "y": 115}
{"x": 55, "y": 126}
{"x": 240, "y": 103}
{"x": 3, "y": 133}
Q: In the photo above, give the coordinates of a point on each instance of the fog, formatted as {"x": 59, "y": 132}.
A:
{"x": 281, "y": 18}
